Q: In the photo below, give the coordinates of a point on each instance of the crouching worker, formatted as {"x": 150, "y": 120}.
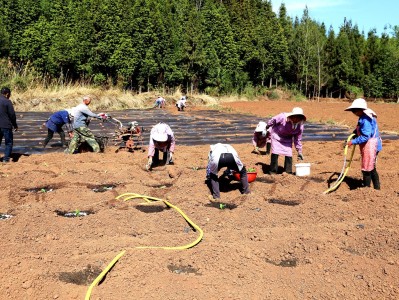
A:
{"x": 160, "y": 102}
{"x": 286, "y": 128}
{"x": 81, "y": 131}
{"x": 224, "y": 156}
{"x": 55, "y": 123}
{"x": 161, "y": 139}
{"x": 261, "y": 138}
{"x": 181, "y": 103}
{"x": 369, "y": 140}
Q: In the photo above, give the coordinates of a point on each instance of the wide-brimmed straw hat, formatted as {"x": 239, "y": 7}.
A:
{"x": 358, "y": 103}
{"x": 297, "y": 111}
{"x": 260, "y": 127}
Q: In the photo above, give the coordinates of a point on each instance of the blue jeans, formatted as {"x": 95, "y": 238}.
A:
{"x": 8, "y": 139}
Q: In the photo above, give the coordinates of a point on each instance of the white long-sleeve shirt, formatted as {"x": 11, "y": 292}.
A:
{"x": 214, "y": 155}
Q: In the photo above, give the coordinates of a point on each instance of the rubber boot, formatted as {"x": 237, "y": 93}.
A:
{"x": 366, "y": 178}
{"x": 376, "y": 179}
{"x": 274, "y": 163}
{"x": 63, "y": 141}
{"x": 244, "y": 181}
{"x": 268, "y": 147}
{"x": 288, "y": 164}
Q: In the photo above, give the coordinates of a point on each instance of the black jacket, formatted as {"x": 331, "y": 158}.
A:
{"x": 8, "y": 118}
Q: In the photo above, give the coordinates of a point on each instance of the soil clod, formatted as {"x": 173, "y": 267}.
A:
{"x": 290, "y": 262}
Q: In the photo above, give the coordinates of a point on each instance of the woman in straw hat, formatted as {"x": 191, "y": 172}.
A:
{"x": 161, "y": 139}
{"x": 286, "y": 128}
{"x": 369, "y": 140}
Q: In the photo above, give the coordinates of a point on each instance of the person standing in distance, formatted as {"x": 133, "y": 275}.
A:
{"x": 8, "y": 122}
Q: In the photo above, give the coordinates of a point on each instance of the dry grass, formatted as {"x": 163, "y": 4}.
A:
{"x": 57, "y": 98}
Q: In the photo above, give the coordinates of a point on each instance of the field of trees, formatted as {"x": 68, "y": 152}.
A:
{"x": 216, "y": 47}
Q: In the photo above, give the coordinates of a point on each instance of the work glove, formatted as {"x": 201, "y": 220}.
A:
{"x": 300, "y": 156}
{"x": 149, "y": 164}
{"x": 347, "y": 144}
{"x": 169, "y": 158}
{"x": 256, "y": 150}
{"x": 103, "y": 116}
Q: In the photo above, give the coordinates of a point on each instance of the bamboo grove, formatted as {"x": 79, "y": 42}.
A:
{"x": 213, "y": 46}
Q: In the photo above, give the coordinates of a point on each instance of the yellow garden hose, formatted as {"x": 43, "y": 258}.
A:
{"x": 345, "y": 168}
{"x": 103, "y": 273}
{"x": 129, "y": 196}
{"x": 149, "y": 200}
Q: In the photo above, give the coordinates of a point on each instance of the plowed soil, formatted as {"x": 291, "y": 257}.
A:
{"x": 286, "y": 240}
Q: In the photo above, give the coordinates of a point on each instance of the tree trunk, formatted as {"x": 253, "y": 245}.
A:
{"x": 271, "y": 83}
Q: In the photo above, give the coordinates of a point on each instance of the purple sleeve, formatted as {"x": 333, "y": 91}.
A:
{"x": 298, "y": 139}
{"x": 276, "y": 120}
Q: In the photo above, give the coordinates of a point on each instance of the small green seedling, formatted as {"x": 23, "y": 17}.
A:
{"x": 77, "y": 213}
{"x": 222, "y": 206}
{"x": 251, "y": 170}
{"x": 43, "y": 190}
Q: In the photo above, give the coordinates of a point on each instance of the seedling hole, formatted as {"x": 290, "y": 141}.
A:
{"x": 74, "y": 214}
{"x": 102, "y": 188}
{"x": 284, "y": 202}
{"x": 84, "y": 277}
{"x": 5, "y": 216}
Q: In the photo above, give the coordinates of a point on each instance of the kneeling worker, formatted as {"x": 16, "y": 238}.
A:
{"x": 220, "y": 156}
{"x": 161, "y": 139}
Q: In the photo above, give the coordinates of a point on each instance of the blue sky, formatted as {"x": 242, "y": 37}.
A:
{"x": 367, "y": 14}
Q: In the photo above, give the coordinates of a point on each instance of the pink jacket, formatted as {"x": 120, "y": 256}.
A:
{"x": 283, "y": 133}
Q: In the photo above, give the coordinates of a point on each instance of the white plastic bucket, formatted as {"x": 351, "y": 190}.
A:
{"x": 302, "y": 169}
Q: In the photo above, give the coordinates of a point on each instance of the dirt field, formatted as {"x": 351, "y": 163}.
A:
{"x": 286, "y": 240}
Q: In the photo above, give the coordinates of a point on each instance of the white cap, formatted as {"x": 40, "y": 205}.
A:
{"x": 160, "y": 136}
{"x": 260, "y": 127}
{"x": 358, "y": 103}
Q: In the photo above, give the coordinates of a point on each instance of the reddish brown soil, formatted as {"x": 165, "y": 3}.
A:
{"x": 286, "y": 240}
